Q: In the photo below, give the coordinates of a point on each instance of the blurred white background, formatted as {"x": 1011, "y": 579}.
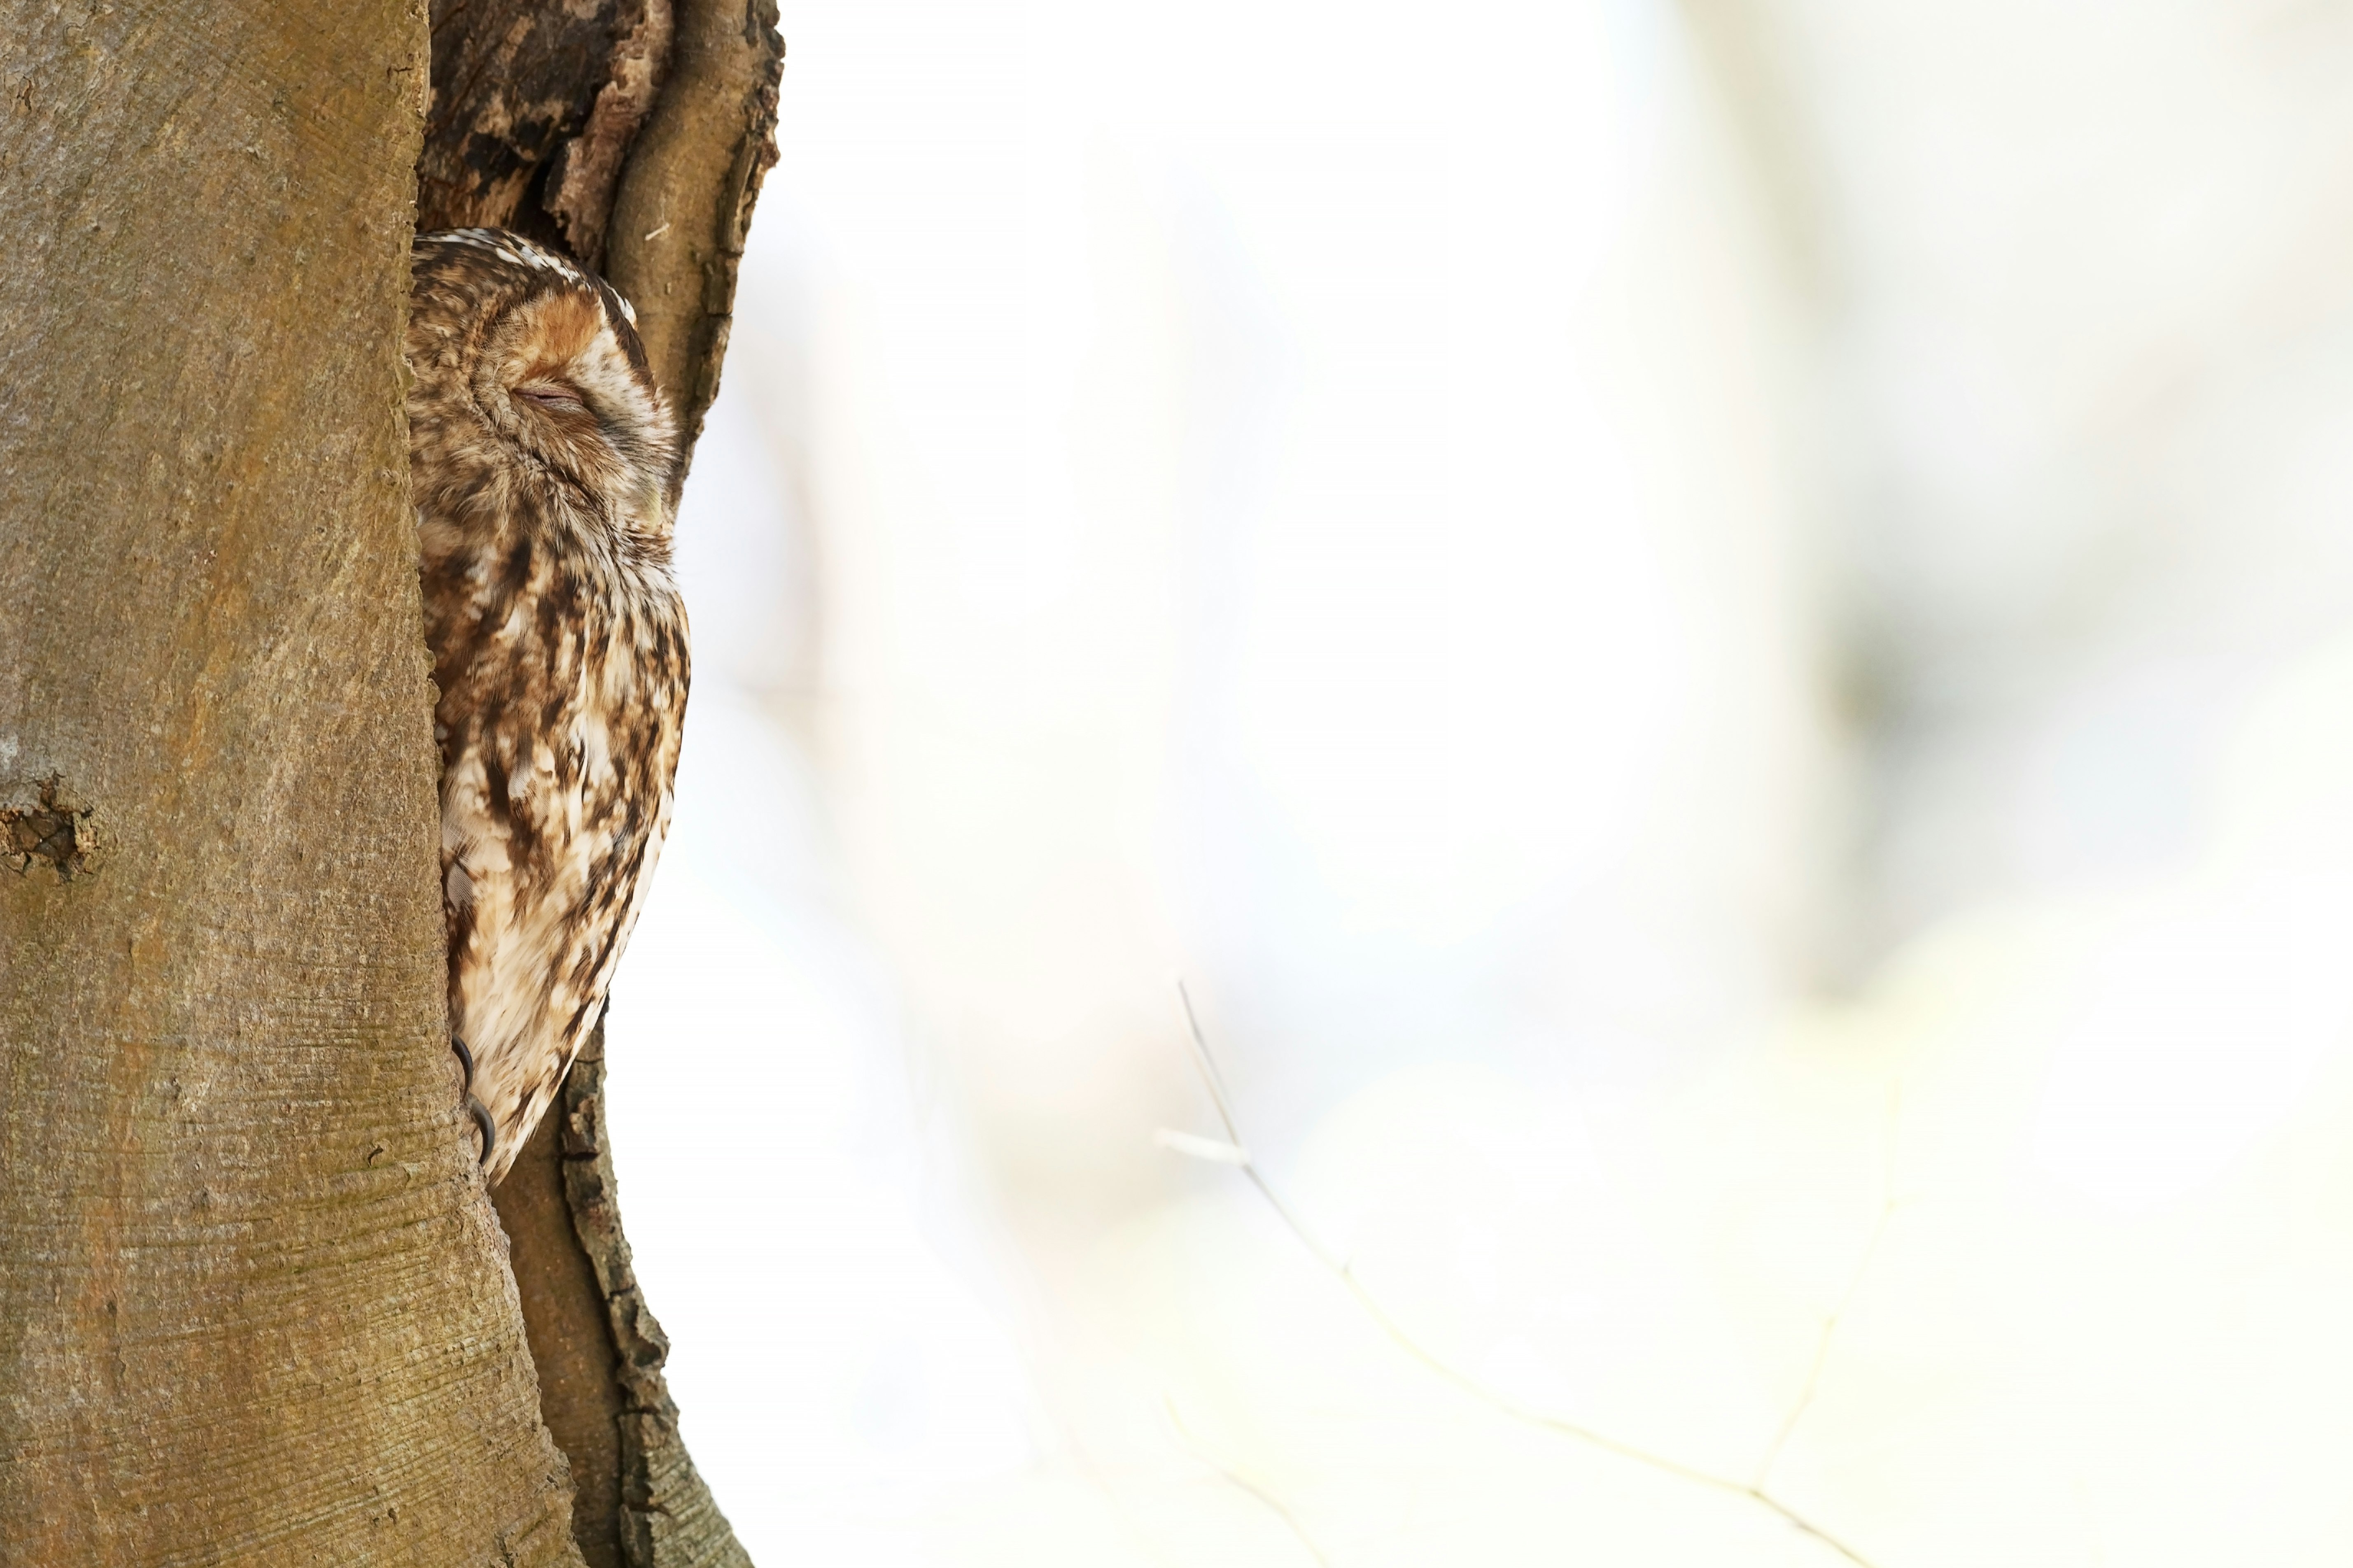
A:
{"x": 1718, "y": 639}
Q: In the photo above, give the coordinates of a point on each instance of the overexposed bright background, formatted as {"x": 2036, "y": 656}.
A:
{"x": 1717, "y": 640}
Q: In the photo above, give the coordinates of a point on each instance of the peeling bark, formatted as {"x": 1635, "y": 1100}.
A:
{"x": 586, "y": 170}
{"x": 534, "y": 106}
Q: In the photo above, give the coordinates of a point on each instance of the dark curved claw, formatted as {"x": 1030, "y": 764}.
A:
{"x": 465, "y": 1059}
{"x": 489, "y": 1129}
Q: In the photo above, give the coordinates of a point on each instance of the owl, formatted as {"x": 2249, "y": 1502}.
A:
{"x": 545, "y": 465}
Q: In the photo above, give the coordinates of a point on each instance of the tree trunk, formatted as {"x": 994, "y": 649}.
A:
{"x": 254, "y": 1304}
{"x": 255, "y": 1298}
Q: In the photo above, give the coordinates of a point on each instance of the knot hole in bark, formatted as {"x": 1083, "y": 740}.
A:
{"x": 47, "y": 825}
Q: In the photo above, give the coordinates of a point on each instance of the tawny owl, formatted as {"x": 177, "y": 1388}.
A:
{"x": 543, "y": 462}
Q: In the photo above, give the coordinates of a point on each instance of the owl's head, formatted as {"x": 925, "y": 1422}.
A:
{"x": 527, "y": 371}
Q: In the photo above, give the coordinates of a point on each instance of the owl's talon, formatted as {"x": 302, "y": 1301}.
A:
{"x": 489, "y": 1129}
{"x": 464, "y": 1060}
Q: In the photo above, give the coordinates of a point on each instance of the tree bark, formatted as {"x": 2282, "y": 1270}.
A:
{"x": 685, "y": 196}
{"x": 633, "y": 133}
{"x": 254, "y": 1305}
{"x": 639, "y": 1502}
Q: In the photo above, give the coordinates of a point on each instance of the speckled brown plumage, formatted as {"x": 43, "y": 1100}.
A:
{"x": 543, "y": 462}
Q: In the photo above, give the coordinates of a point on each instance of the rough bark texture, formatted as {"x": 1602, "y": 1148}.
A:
{"x": 640, "y": 1502}
{"x": 667, "y": 1519}
{"x": 581, "y": 1396}
{"x": 534, "y": 107}
{"x": 253, "y": 1305}
{"x": 634, "y": 134}
{"x": 685, "y": 199}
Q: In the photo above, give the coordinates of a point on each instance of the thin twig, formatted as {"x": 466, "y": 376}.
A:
{"x": 1207, "y": 1066}
{"x": 1822, "y": 1346}
{"x": 1272, "y": 1503}
{"x": 1753, "y": 1492}
{"x": 1887, "y": 1207}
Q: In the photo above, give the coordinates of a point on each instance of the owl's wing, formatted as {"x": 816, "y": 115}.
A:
{"x": 550, "y": 843}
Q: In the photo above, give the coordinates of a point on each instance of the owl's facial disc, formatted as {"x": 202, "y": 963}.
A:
{"x": 556, "y": 374}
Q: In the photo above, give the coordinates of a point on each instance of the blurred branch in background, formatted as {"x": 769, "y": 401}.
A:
{"x": 1275, "y": 1504}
